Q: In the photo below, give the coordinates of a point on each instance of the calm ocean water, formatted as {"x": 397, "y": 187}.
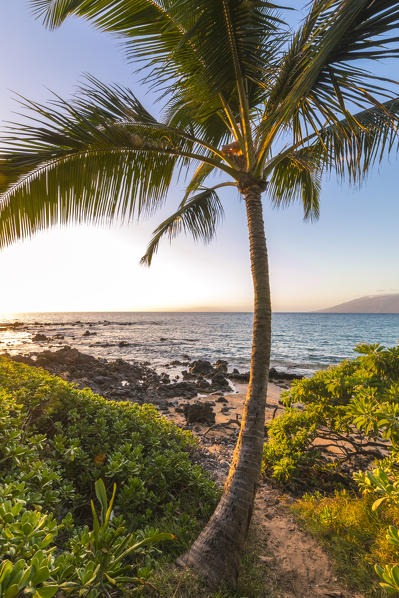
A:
{"x": 302, "y": 342}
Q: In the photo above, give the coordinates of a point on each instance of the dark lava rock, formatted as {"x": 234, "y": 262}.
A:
{"x": 177, "y": 362}
{"x": 39, "y": 338}
{"x": 276, "y": 375}
{"x": 221, "y": 366}
{"x": 199, "y": 413}
{"x": 181, "y": 389}
{"x": 219, "y": 380}
{"x": 116, "y": 380}
{"x": 235, "y": 375}
{"x": 203, "y": 385}
{"x": 221, "y": 400}
{"x": 201, "y": 366}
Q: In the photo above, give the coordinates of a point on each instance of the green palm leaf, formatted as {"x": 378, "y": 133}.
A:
{"x": 322, "y": 69}
{"x": 198, "y": 216}
{"x": 352, "y": 145}
{"x": 297, "y": 177}
{"x": 98, "y": 158}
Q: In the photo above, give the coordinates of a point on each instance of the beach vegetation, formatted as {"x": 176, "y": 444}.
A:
{"x": 93, "y": 493}
{"x": 244, "y": 97}
{"x": 339, "y": 435}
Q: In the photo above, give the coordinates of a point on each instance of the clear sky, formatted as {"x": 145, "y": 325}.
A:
{"x": 351, "y": 251}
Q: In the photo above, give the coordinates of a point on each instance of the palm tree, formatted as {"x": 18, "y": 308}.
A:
{"x": 270, "y": 109}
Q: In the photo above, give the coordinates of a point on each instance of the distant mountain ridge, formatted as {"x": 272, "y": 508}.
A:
{"x": 369, "y": 304}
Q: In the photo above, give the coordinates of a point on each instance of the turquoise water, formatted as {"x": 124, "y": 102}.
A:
{"x": 302, "y": 342}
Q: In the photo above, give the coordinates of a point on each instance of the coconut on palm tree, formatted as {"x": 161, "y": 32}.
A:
{"x": 269, "y": 109}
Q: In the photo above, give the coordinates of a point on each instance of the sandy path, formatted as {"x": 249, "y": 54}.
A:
{"x": 291, "y": 559}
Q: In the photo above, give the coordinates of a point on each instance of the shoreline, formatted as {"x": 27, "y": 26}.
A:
{"x": 211, "y": 389}
{"x": 153, "y": 341}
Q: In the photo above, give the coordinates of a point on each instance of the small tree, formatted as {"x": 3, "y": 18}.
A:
{"x": 244, "y": 96}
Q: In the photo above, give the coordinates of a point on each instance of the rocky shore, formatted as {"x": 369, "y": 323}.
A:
{"x": 194, "y": 393}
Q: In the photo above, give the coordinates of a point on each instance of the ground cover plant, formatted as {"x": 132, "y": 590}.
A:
{"x": 93, "y": 493}
{"x": 341, "y": 428}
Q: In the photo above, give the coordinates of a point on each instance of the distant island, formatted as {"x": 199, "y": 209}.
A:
{"x": 369, "y": 304}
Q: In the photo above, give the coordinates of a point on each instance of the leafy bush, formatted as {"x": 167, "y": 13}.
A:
{"x": 343, "y": 415}
{"x": 355, "y": 408}
{"x": 55, "y": 442}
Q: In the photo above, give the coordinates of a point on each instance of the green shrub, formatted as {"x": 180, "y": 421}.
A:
{"x": 355, "y": 408}
{"x": 55, "y": 442}
{"x": 352, "y": 407}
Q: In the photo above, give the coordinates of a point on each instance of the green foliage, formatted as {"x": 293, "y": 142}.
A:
{"x": 354, "y": 534}
{"x": 56, "y": 444}
{"x": 95, "y": 562}
{"x": 354, "y": 407}
{"x": 351, "y": 408}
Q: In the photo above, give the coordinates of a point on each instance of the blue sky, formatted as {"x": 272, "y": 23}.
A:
{"x": 351, "y": 251}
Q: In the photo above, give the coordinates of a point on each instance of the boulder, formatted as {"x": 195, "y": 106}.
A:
{"x": 201, "y": 366}
{"x": 199, "y": 413}
{"x": 276, "y": 375}
{"x": 220, "y": 381}
{"x": 39, "y": 338}
{"x": 221, "y": 366}
{"x": 221, "y": 400}
{"x": 202, "y": 384}
{"x": 235, "y": 375}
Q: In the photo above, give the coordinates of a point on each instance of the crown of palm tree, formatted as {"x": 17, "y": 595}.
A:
{"x": 242, "y": 95}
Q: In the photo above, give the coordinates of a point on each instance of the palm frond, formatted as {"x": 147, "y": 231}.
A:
{"x": 354, "y": 144}
{"x": 324, "y": 69}
{"x": 198, "y": 178}
{"x": 203, "y": 46}
{"x": 199, "y": 216}
{"x": 297, "y": 177}
{"x": 101, "y": 156}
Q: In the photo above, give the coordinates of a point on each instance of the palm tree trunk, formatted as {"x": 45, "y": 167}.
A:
{"x": 216, "y": 554}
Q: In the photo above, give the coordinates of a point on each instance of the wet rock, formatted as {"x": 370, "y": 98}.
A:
{"x": 240, "y": 377}
{"x": 199, "y": 412}
{"x": 201, "y": 366}
{"x": 221, "y": 366}
{"x": 38, "y": 338}
{"x": 203, "y": 385}
{"x": 276, "y": 375}
{"x": 220, "y": 381}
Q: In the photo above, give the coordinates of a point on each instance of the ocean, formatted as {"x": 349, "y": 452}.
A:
{"x": 302, "y": 342}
